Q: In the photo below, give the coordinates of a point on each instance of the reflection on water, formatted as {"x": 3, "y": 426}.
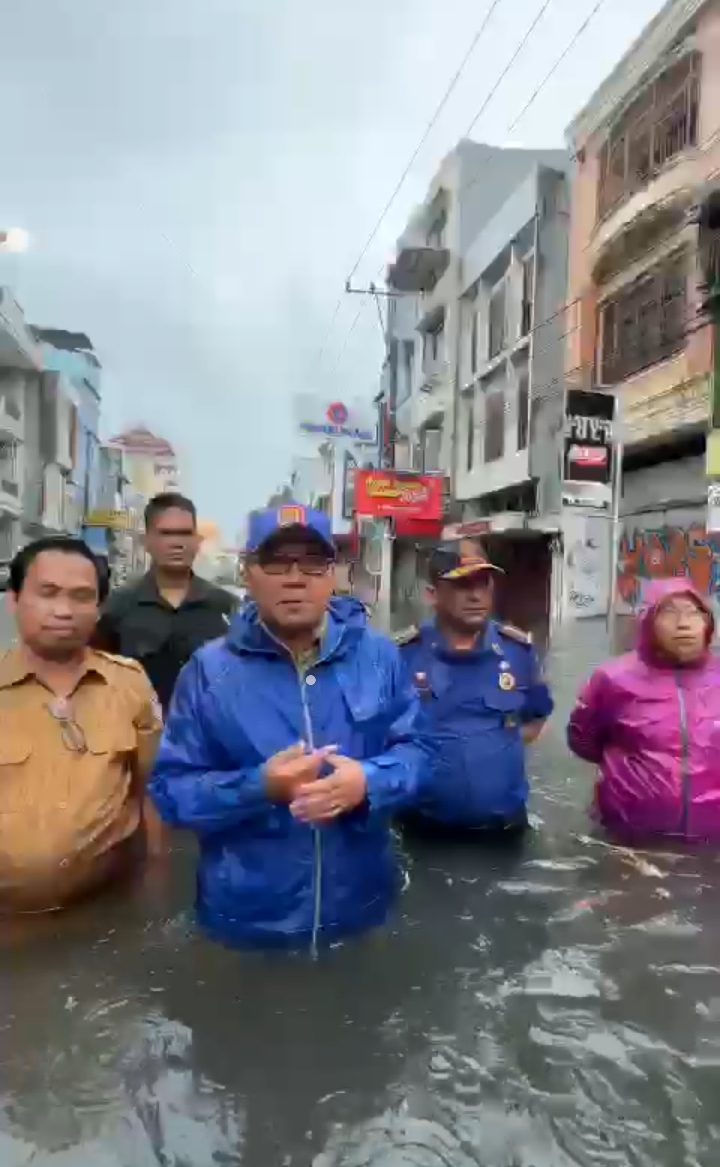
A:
{"x": 553, "y": 1005}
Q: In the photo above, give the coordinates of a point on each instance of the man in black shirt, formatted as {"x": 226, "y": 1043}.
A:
{"x": 171, "y": 612}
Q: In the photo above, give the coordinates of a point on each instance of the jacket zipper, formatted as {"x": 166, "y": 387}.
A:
{"x": 684, "y": 759}
{"x": 317, "y": 840}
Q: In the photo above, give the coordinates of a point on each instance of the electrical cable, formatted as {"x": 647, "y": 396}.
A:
{"x": 450, "y": 89}
{"x": 524, "y": 40}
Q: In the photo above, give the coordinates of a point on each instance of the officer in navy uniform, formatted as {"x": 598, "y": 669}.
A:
{"x": 485, "y": 700}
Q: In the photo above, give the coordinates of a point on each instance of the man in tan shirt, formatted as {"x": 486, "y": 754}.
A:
{"x": 78, "y": 733}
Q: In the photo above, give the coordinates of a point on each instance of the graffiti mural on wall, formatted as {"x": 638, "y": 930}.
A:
{"x": 665, "y": 552}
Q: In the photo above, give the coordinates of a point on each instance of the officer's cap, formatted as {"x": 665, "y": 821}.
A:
{"x": 449, "y": 563}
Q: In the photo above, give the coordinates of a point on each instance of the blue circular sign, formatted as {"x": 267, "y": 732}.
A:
{"x": 337, "y": 413}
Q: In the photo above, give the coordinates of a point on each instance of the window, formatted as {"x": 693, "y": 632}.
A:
{"x": 432, "y": 441}
{"x": 494, "y": 426}
{"x": 658, "y": 125}
{"x": 9, "y": 468}
{"x": 496, "y": 330}
{"x": 406, "y": 357}
{"x": 433, "y": 349}
{"x": 473, "y": 343}
{"x": 436, "y": 234}
{"x": 645, "y": 323}
{"x": 523, "y": 410}
{"x": 470, "y": 434}
{"x": 528, "y": 289}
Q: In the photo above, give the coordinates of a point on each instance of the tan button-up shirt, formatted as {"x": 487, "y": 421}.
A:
{"x": 71, "y": 795}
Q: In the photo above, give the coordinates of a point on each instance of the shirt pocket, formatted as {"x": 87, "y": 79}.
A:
{"x": 111, "y": 741}
{"x": 505, "y": 707}
{"x": 15, "y": 755}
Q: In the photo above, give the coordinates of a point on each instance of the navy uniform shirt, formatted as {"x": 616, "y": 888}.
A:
{"x": 476, "y": 703}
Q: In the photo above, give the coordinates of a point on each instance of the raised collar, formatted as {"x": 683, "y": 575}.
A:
{"x": 16, "y": 668}
{"x": 147, "y": 592}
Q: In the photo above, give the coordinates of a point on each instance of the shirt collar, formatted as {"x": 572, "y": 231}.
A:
{"x": 16, "y": 668}
{"x": 148, "y": 592}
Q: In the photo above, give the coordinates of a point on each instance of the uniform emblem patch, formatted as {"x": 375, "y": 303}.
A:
{"x": 507, "y": 682}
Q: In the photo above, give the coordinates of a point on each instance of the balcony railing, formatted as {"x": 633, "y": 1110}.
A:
{"x": 660, "y": 124}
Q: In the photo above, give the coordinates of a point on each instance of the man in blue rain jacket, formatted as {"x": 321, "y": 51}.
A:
{"x": 484, "y": 700}
{"x": 290, "y": 743}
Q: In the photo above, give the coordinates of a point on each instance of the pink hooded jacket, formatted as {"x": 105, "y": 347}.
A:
{"x": 654, "y": 731}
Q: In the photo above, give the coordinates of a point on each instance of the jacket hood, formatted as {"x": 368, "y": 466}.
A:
{"x": 657, "y": 592}
{"x": 346, "y": 622}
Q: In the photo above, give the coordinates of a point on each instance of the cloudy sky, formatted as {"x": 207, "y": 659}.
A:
{"x": 199, "y": 176}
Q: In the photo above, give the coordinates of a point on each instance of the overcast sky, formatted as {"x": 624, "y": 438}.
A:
{"x": 199, "y": 176}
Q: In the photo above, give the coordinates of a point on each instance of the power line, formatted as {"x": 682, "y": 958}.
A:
{"x": 426, "y": 133}
{"x": 482, "y": 109}
{"x": 413, "y": 157}
{"x": 526, "y": 37}
{"x": 554, "y": 68}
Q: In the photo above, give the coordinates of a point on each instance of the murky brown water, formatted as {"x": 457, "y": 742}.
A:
{"x": 552, "y": 1006}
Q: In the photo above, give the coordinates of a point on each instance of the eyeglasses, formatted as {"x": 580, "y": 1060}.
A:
{"x": 679, "y": 615}
{"x": 72, "y": 734}
{"x": 313, "y": 565}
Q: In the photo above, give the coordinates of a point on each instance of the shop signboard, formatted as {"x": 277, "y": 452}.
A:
{"x": 588, "y": 440}
{"x": 383, "y": 494}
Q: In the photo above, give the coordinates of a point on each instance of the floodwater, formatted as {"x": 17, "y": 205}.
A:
{"x": 551, "y": 1006}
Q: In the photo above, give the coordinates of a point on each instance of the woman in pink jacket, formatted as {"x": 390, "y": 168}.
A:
{"x": 651, "y": 721}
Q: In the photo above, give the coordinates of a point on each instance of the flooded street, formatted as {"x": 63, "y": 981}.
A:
{"x": 546, "y": 1007}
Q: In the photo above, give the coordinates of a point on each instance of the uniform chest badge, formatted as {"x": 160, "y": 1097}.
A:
{"x": 507, "y": 682}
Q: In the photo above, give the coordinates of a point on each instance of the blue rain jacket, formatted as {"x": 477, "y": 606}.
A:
{"x": 265, "y": 879}
{"x": 475, "y": 704}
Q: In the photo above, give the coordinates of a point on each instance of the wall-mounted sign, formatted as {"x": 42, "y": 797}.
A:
{"x": 385, "y": 493}
{"x": 588, "y": 444}
{"x": 348, "y": 500}
{"x": 113, "y": 520}
{"x": 336, "y": 420}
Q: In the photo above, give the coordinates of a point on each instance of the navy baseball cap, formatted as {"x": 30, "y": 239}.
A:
{"x": 448, "y": 562}
{"x": 291, "y": 519}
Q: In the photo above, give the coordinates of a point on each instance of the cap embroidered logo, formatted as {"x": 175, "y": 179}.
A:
{"x": 291, "y": 517}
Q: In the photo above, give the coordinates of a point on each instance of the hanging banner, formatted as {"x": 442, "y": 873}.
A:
{"x": 382, "y": 494}
{"x": 588, "y": 443}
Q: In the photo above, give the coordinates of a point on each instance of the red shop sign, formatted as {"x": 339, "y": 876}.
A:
{"x": 382, "y": 494}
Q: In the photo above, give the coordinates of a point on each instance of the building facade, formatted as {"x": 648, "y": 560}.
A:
{"x": 20, "y": 365}
{"x": 70, "y": 357}
{"x": 480, "y": 262}
{"x": 643, "y": 147}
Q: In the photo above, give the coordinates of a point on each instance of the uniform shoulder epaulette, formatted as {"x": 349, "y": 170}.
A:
{"x": 125, "y": 662}
{"x": 516, "y": 634}
{"x": 407, "y": 636}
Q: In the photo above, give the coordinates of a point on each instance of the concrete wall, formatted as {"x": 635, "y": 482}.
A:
{"x": 663, "y": 532}
{"x": 547, "y": 351}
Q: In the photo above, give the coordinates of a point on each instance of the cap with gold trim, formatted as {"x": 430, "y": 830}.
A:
{"x": 289, "y": 520}
{"x": 448, "y": 562}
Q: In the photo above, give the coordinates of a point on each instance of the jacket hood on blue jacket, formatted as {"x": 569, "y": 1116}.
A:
{"x": 347, "y": 620}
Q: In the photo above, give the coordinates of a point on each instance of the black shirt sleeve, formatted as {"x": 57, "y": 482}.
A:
{"x": 107, "y": 633}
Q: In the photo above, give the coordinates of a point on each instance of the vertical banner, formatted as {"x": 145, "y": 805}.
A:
{"x": 348, "y": 497}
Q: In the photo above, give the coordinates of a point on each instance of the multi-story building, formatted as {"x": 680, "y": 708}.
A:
{"x": 19, "y": 370}
{"x": 143, "y": 465}
{"x": 644, "y": 145}
{"x": 71, "y": 357}
{"x": 481, "y": 259}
